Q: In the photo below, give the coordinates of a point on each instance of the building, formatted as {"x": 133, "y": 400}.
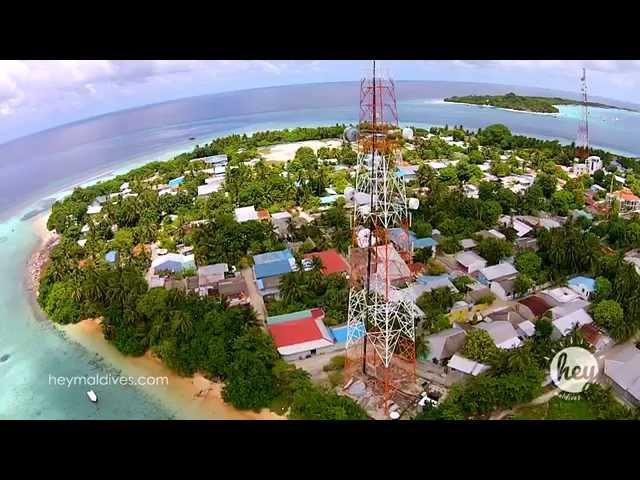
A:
{"x": 444, "y": 344}
{"x": 593, "y": 164}
{"x": 407, "y": 133}
{"x": 433, "y": 282}
{"x": 521, "y": 228}
{"x": 301, "y": 334}
{"x": 532, "y": 307}
{"x": 173, "y": 262}
{"x": 563, "y": 325}
{"x": 280, "y": 221}
{"x": 210, "y": 275}
{"x": 504, "y": 289}
{"x": 213, "y": 160}
{"x": 269, "y": 268}
{"x": 493, "y": 233}
{"x": 622, "y": 370}
{"x": 466, "y": 366}
{"x": 407, "y": 173}
{"x": 633, "y": 257}
{"x": 94, "y": 208}
{"x": 583, "y": 286}
{"x": 471, "y": 261}
{"x": 495, "y": 273}
{"x": 208, "y": 189}
{"x": 332, "y": 261}
{"x": 596, "y": 337}
{"x": 502, "y": 333}
{"x": 176, "y": 182}
{"x": 468, "y": 243}
{"x": 627, "y": 199}
{"x": 245, "y": 214}
{"x": 406, "y": 239}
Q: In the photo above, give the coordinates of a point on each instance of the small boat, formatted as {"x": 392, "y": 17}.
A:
{"x": 192, "y": 138}
{"x": 92, "y": 396}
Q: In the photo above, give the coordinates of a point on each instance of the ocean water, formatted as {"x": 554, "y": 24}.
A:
{"x": 39, "y": 168}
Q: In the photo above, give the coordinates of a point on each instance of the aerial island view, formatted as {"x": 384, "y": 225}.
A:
{"x": 366, "y": 242}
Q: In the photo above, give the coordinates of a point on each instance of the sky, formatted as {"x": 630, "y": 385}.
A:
{"x": 36, "y": 95}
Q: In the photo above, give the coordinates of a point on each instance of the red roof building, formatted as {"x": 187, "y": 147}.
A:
{"x": 308, "y": 334}
{"x": 332, "y": 261}
{"x": 536, "y": 305}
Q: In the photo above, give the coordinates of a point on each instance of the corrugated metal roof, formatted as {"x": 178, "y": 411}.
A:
{"x": 272, "y": 269}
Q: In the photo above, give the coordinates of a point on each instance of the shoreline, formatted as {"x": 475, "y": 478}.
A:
{"x": 549, "y": 114}
{"x": 187, "y": 398}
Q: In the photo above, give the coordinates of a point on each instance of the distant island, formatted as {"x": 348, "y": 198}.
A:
{"x": 524, "y": 103}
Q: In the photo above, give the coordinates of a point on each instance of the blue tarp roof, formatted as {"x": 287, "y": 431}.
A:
{"x": 272, "y": 269}
{"x": 424, "y": 242}
{"x": 267, "y": 257}
{"x": 406, "y": 171}
{"x": 588, "y": 282}
{"x": 328, "y": 199}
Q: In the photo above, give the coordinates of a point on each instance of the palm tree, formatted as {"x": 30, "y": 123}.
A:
{"x": 181, "y": 322}
{"x": 292, "y": 287}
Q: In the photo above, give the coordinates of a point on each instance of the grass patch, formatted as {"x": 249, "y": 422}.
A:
{"x": 557, "y": 409}
{"x": 531, "y": 412}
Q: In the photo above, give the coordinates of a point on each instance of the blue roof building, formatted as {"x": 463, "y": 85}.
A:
{"x": 399, "y": 237}
{"x": 407, "y": 173}
{"x": 111, "y": 256}
{"x": 176, "y": 182}
{"x": 329, "y": 199}
{"x": 583, "y": 286}
{"x": 269, "y": 267}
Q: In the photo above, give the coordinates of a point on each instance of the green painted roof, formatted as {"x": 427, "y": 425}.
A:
{"x": 289, "y": 316}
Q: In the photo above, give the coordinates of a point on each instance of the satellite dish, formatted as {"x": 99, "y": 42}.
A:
{"x": 414, "y": 203}
{"x": 350, "y": 134}
{"x": 394, "y": 415}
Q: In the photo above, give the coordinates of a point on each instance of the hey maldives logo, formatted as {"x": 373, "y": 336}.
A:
{"x": 573, "y": 368}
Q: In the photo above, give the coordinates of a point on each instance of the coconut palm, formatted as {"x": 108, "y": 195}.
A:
{"x": 181, "y": 323}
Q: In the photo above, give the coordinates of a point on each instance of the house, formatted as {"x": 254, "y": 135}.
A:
{"x": 208, "y": 189}
{"x": 332, "y": 261}
{"x": 466, "y": 366}
{"x": 622, "y": 371}
{"x": 470, "y": 261}
{"x": 269, "y": 268}
{"x": 444, "y": 344}
{"x": 583, "y": 286}
{"x": 213, "y": 160}
{"x": 300, "y": 335}
{"x": 627, "y": 199}
{"x": 633, "y": 257}
{"x": 405, "y": 239}
{"x": 532, "y": 307}
{"x": 501, "y": 271}
{"x": 563, "y": 325}
{"x": 524, "y": 328}
{"x": 596, "y": 337}
{"x": 471, "y": 191}
{"x": 245, "y": 214}
{"x": 94, "y": 208}
{"x": 502, "y": 333}
{"x": 493, "y": 233}
{"x": 210, "y": 275}
{"x": 173, "y": 262}
{"x": 111, "y": 256}
{"x": 407, "y": 173}
{"x": 280, "y": 221}
{"x": 597, "y": 188}
{"x": 521, "y": 228}
{"x": 176, "y": 182}
{"x": 504, "y": 288}
{"x": 433, "y": 282}
{"x": 467, "y": 243}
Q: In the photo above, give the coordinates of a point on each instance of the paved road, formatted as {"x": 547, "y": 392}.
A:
{"x": 254, "y": 297}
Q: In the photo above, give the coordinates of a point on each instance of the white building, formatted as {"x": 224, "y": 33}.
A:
{"x": 502, "y": 333}
{"x": 471, "y": 261}
{"x": 244, "y": 214}
{"x": 562, "y": 326}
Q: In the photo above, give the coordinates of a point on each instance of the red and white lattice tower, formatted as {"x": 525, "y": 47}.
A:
{"x": 380, "y": 345}
{"x": 582, "y": 142}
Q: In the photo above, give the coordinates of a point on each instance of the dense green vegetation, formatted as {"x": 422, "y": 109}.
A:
{"x": 595, "y": 403}
{"x": 188, "y": 332}
{"x": 521, "y": 102}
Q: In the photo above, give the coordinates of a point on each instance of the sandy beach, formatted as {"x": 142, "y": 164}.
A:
{"x": 188, "y": 398}
{"x": 286, "y": 151}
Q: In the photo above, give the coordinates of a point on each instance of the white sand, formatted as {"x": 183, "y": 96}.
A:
{"x": 189, "y": 398}
{"x": 286, "y": 151}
